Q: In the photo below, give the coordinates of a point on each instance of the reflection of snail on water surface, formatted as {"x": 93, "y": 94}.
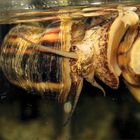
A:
{"x": 57, "y": 59}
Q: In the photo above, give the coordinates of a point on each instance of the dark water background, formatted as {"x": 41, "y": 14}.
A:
{"x": 26, "y": 116}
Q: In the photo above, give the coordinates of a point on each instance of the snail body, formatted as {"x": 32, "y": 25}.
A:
{"x": 101, "y": 43}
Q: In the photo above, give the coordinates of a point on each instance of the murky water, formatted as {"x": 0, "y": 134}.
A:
{"x": 37, "y": 52}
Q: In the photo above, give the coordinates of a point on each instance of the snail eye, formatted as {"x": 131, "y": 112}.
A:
{"x": 73, "y": 48}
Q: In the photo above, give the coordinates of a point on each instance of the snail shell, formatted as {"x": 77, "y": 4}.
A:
{"x": 128, "y": 59}
{"x": 21, "y": 62}
{"x": 27, "y": 66}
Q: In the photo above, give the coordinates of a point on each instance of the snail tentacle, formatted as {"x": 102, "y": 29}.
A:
{"x": 42, "y": 48}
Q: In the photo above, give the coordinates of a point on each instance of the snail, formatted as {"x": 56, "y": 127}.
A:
{"x": 58, "y": 59}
